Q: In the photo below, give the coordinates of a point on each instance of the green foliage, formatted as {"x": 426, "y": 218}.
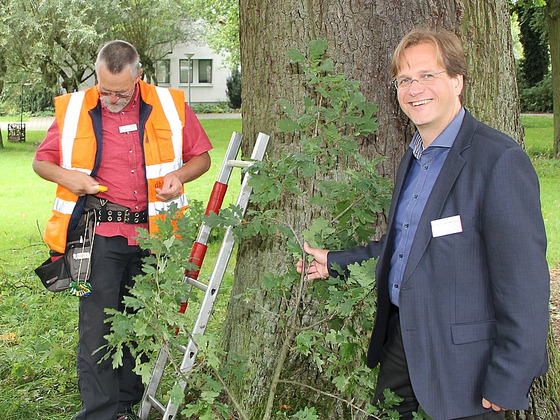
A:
{"x": 154, "y": 28}
{"x": 38, "y": 51}
{"x": 220, "y": 107}
{"x": 533, "y": 37}
{"x": 150, "y": 320}
{"x": 537, "y": 98}
{"x": 221, "y": 18}
{"x": 50, "y": 56}
{"x": 345, "y": 185}
{"x": 345, "y": 192}
{"x": 233, "y": 91}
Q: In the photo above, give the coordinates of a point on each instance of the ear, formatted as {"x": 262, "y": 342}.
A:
{"x": 458, "y": 81}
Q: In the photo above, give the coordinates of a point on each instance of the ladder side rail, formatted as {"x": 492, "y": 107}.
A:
{"x": 216, "y": 278}
{"x": 151, "y": 389}
{"x": 203, "y": 316}
{"x": 214, "y": 204}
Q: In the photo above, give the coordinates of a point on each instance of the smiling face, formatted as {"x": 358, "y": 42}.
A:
{"x": 430, "y": 102}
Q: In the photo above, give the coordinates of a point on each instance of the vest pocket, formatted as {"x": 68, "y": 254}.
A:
{"x": 158, "y": 146}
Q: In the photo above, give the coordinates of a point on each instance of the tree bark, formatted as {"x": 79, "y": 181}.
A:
{"x": 553, "y": 19}
{"x": 362, "y": 35}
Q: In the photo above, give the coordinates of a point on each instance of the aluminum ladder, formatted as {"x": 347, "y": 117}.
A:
{"x": 210, "y": 289}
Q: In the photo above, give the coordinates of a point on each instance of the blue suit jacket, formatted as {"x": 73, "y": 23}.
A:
{"x": 473, "y": 304}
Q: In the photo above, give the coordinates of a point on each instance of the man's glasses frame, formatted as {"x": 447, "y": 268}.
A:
{"x": 424, "y": 79}
{"x": 115, "y": 94}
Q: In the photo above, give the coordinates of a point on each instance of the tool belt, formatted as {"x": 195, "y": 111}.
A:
{"x": 105, "y": 211}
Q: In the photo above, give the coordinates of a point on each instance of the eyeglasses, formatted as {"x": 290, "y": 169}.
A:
{"x": 117, "y": 95}
{"x": 425, "y": 79}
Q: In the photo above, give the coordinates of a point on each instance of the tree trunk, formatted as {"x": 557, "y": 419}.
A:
{"x": 553, "y": 19}
{"x": 361, "y": 35}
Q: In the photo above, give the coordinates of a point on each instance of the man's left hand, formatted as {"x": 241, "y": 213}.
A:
{"x": 171, "y": 188}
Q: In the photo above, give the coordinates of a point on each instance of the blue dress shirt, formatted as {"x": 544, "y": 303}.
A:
{"x": 421, "y": 177}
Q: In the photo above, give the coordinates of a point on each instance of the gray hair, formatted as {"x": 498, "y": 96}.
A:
{"x": 118, "y": 55}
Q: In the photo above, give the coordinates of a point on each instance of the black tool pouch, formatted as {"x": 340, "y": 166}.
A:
{"x": 78, "y": 249}
{"x": 74, "y": 265}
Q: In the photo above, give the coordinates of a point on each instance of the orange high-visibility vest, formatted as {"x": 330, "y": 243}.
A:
{"x": 162, "y": 143}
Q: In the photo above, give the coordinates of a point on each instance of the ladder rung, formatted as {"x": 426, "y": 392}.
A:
{"x": 156, "y": 404}
{"x": 195, "y": 283}
{"x": 240, "y": 163}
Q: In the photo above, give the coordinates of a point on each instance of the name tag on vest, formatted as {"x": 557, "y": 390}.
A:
{"x": 128, "y": 128}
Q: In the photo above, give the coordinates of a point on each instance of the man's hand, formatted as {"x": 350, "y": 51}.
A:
{"x": 77, "y": 182}
{"x": 171, "y": 188}
{"x": 317, "y": 268}
{"x": 173, "y": 181}
{"x": 487, "y": 404}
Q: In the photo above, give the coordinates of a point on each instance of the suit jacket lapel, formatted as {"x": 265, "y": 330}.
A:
{"x": 440, "y": 192}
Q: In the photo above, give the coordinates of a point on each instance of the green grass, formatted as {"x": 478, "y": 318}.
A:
{"x": 13, "y": 118}
{"x": 38, "y": 328}
{"x": 219, "y": 132}
{"x": 539, "y": 131}
{"x": 538, "y": 134}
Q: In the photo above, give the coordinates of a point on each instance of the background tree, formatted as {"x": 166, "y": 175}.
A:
{"x": 533, "y": 38}
{"x": 54, "y": 41}
{"x": 221, "y": 26}
{"x": 53, "y": 44}
{"x": 361, "y": 37}
{"x": 154, "y": 28}
{"x": 233, "y": 90}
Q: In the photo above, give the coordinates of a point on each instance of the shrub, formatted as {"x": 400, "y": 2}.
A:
{"x": 233, "y": 90}
{"x": 537, "y": 98}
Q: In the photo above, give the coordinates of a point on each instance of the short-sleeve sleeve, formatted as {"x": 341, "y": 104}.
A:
{"x": 195, "y": 140}
{"x": 49, "y": 149}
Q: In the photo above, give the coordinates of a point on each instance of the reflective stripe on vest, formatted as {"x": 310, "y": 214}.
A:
{"x": 161, "y": 169}
{"x": 70, "y": 128}
{"x": 63, "y": 206}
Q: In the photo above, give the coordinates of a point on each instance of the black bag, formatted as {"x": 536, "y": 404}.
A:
{"x": 74, "y": 265}
{"x": 54, "y": 274}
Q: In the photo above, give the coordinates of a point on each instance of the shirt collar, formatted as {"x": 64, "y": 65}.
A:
{"x": 444, "y": 139}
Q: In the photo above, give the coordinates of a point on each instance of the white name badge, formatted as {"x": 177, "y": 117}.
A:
{"x": 446, "y": 226}
{"x": 128, "y": 128}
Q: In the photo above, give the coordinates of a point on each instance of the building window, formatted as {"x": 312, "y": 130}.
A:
{"x": 204, "y": 71}
{"x": 163, "y": 70}
{"x": 200, "y": 71}
{"x": 184, "y": 72}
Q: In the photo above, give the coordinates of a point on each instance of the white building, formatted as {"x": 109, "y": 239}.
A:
{"x": 198, "y": 69}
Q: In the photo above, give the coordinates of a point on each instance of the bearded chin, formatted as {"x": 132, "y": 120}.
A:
{"x": 114, "y": 106}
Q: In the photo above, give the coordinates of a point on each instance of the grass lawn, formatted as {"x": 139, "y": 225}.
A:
{"x": 538, "y": 143}
{"x": 38, "y": 328}
{"x": 13, "y": 118}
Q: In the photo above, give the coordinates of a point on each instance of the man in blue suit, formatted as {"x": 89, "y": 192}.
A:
{"x": 462, "y": 279}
